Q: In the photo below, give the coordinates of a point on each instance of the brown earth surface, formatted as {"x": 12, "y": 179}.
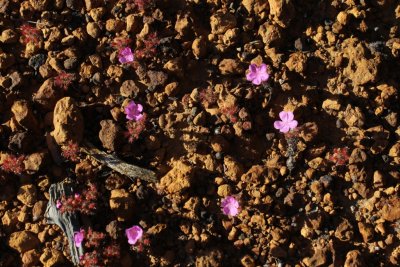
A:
{"x": 209, "y": 132}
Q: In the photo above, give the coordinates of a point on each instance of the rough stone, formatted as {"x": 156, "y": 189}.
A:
{"x": 110, "y": 135}
{"x": 67, "y": 121}
{"x": 23, "y": 241}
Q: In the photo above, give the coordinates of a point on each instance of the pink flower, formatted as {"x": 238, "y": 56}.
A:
{"x": 286, "y": 123}
{"x": 125, "y": 55}
{"x": 58, "y": 204}
{"x": 256, "y": 74}
{"x": 78, "y": 238}
{"x": 230, "y": 206}
{"x": 133, "y": 111}
{"x": 134, "y": 234}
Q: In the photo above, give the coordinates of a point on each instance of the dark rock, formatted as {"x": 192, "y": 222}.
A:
{"x": 37, "y": 60}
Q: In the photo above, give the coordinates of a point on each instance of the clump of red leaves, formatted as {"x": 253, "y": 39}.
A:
{"x": 30, "y": 34}
{"x": 93, "y": 239}
{"x": 208, "y": 97}
{"x": 13, "y": 164}
{"x": 148, "y": 47}
{"x": 84, "y": 202}
{"x": 120, "y": 43}
{"x": 135, "y": 128}
{"x": 339, "y": 156}
{"x": 143, "y": 245}
{"x": 63, "y": 80}
{"x": 142, "y": 5}
{"x": 230, "y": 112}
{"x": 97, "y": 241}
{"x": 70, "y": 151}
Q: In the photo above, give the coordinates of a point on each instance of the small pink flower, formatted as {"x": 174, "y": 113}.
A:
{"x": 125, "y": 55}
{"x": 286, "y": 123}
{"x": 79, "y": 237}
{"x": 257, "y": 74}
{"x": 133, "y": 111}
{"x": 134, "y": 234}
{"x": 230, "y": 206}
{"x": 58, "y": 204}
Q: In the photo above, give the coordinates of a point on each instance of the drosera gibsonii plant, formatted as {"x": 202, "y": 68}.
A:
{"x": 339, "y": 156}
{"x": 141, "y": 5}
{"x": 13, "y": 164}
{"x": 100, "y": 251}
{"x": 136, "y": 123}
{"x": 147, "y": 47}
{"x": 63, "y": 80}
{"x": 287, "y": 125}
{"x": 30, "y": 34}
{"x": 85, "y": 202}
{"x": 70, "y": 151}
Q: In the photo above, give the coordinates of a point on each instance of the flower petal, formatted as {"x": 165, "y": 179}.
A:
{"x": 139, "y": 107}
{"x": 257, "y": 80}
{"x": 250, "y": 76}
{"x": 263, "y": 68}
{"x": 285, "y": 129}
{"x": 278, "y": 125}
{"x": 283, "y": 115}
{"x": 292, "y": 124}
{"x": 253, "y": 68}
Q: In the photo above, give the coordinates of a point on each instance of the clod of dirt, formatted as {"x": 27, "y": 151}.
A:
{"x": 354, "y": 259}
{"x": 8, "y": 36}
{"x": 271, "y": 34}
{"x": 233, "y": 168}
{"x": 199, "y": 47}
{"x": 93, "y": 29}
{"x": 255, "y": 6}
{"x": 68, "y": 122}
{"x": 31, "y": 257}
{"x": 121, "y": 202}
{"x": 38, "y": 210}
{"x": 90, "y": 4}
{"x": 359, "y": 69}
{"x": 178, "y": 178}
{"x": 366, "y": 231}
{"x": 282, "y": 11}
{"x": 110, "y": 135}
{"x": 211, "y": 257}
{"x": 129, "y": 89}
{"x": 230, "y": 66}
{"x": 51, "y": 257}
{"x": 27, "y": 194}
{"x": 391, "y": 209}
{"x": 221, "y": 21}
{"x": 24, "y": 115}
{"x": 48, "y": 94}
{"x": 34, "y": 162}
{"x": 23, "y": 241}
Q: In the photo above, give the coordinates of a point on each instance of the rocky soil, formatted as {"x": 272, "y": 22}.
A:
{"x": 209, "y": 132}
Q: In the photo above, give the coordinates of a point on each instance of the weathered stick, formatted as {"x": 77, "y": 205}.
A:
{"x": 118, "y": 165}
{"x": 68, "y": 222}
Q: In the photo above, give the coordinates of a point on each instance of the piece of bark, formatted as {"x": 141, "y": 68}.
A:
{"x": 118, "y": 165}
{"x": 68, "y": 222}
